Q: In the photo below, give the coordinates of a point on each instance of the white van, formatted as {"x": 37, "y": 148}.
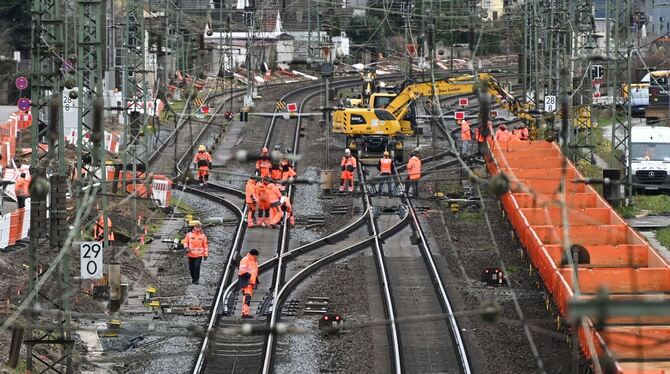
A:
{"x": 650, "y": 157}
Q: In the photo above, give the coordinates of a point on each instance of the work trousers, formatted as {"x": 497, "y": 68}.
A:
{"x": 247, "y": 292}
{"x": 21, "y": 200}
{"x": 412, "y": 184}
{"x": 251, "y": 213}
{"x": 465, "y": 145}
{"x": 194, "y": 268}
{"x": 203, "y": 175}
{"x": 385, "y": 179}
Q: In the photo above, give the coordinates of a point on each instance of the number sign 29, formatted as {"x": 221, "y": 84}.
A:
{"x": 91, "y": 260}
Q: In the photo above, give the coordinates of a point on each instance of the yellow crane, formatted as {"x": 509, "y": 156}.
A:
{"x": 388, "y": 117}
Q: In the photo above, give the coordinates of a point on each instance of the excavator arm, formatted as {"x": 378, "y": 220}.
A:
{"x": 399, "y": 107}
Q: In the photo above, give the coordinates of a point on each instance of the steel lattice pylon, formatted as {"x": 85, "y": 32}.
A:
{"x": 584, "y": 42}
{"x": 47, "y": 61}
{"x": 618, "y": 44}
{"x": 90, "y": 130}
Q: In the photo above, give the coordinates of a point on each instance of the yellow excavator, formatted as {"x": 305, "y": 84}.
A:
{"x": 381, "y": 123}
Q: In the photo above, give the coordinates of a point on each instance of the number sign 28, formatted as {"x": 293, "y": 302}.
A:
{"x": 91, "y": 260}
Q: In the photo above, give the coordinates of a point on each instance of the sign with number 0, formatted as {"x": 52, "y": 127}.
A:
{"x": 91, "y": 260}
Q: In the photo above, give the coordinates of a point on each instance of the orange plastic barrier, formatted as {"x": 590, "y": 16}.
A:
{"x": 618, "y": 258}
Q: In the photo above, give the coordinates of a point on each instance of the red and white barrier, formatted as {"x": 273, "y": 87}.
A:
{"x": 161, "y": 190}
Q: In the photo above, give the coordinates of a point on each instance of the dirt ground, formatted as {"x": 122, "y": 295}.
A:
{"x": 466, "y": 243}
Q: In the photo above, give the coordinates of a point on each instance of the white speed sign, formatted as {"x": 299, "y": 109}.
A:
{"x": 91, "y": 260}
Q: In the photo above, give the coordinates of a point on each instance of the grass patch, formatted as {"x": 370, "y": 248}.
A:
{"x": 181, "y": 206}
{"x": 589, "y": 170}
{"x": 663, "y": 236}
{"x": 471, "y": 216}
{"x": 651, "y": 204}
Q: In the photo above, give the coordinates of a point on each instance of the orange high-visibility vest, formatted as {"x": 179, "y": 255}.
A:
{"x": 197, "y": 243}
{"x": 262, "y": 193}
{"x": 466, "y": 135}
{"x": 414, "y": 168}
{"x": 275, "y": 171}
{"x": 99, "y": 228}
{"x": 385, "y": 165}
{"x": 250, "y": 191}
{"x": 263, "y": 166}
{"x": 22, "y": 187}
{"x": 502, "y": 135}
{"x": 348, "y": 161}
{"x": 274, "y": 194}
{"x": 202, "y": 159}
{"x": 249, "y": 265}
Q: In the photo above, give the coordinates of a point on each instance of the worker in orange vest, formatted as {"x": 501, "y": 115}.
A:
{"x": 99, "y": 228}
{"x": 287, "y": 208}
{"x": 263, "y": 202}
{"x": 502, "y": 135}
{"x": 275, "y": 169}
{"x": 287, "y": 173}
{"x": 466, "y": 136}
{"x": 274, "y": 197}
{"x": 203, "y": 161}
{"x": 247, "y": 278}
{"x": 523, "y": 132}
{"x": 22, "y": 185}
{"x": 484, "y": 135}
{"x": 263, "y": 164}
{"x": 250, "y": 199}
{"x": 386, "y": 168}
{"x": 197, "y": 248}
{"x": 413, "y": 173}
{"x": 348, "y": 165}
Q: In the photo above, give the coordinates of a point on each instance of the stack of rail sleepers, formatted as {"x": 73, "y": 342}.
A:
{"x": 618, "y": 260}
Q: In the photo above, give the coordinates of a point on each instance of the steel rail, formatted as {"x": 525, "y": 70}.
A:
{"x": 445, "y": 303}
{"x": 389, "y": 306}
{"x": 237, "y": 243}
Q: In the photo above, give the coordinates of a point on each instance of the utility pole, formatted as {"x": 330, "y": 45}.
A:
{"x": 48, "y": 47}
{"x": 407, "y": 11}
{"x": 249, "y": 16}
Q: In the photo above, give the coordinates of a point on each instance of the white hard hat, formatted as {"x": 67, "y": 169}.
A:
{"x": 347, "y": 151}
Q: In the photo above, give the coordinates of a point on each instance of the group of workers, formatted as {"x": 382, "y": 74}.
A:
{"x": 266, "y": 199}
{"x": 386, "y": 167}
{"x": 196, "y": 246}
{"x": 265, "y": 194}
{"x": 502, "y": 134}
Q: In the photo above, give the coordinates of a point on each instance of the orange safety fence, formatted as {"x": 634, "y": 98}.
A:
{"x": 618, "y": 258}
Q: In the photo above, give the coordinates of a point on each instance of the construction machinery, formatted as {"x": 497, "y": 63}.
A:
{"x": 381, "y": 122}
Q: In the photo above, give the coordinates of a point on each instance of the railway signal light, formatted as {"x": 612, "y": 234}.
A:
{"x": 492, "y": 276}
{"x": 331, "y": 322}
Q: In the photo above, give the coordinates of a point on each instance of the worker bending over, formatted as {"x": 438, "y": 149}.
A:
{"x": 274, "y": 196}
{"x": 386, "y": 169}
{"x": 413, "y": 173}
{"x": 348, "y": 165}
{"x": 250, "y": 199}
{"x": 247, "y": 280}
{"x": 202, "y": 161}
{"x": 287, "y": 173}
{"x": 197, "y": 248}
{"x": 288, "y": 209}
{"x": 264, "y": 164}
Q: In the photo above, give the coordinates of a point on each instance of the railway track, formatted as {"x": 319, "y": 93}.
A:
{"x": 226, "y": 353}
{"x": 243, "y": 354}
